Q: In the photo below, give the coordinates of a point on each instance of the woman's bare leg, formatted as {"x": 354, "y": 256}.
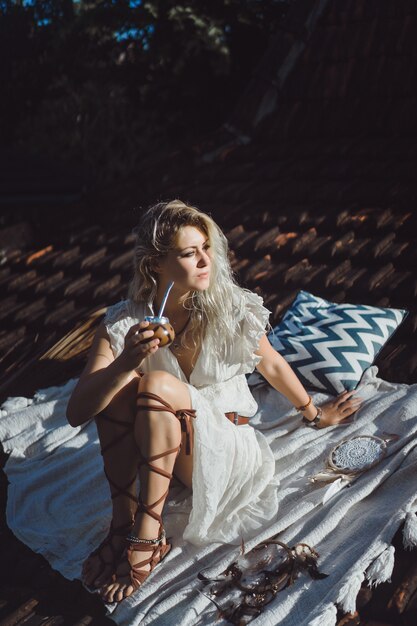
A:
{"x": 120, "y": 457}
{"x": 156, "y": 432}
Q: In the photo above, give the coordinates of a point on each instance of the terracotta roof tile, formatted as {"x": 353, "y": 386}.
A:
{"x": 9, "y": 306}
{"x": 7, "y": 339}
{"x": 108, "y": 290}
{"x": 238, "y": 264}
{"x": 78, "y": 286}
{"x": 22, "y": 281}
{"x": 268, "y": 240}
{"x": 301, "y": 245}
{"x": 87, "y": 234}
{"x": 258, "y": 271}
{"x": 61, "y": 314}
{"x": 239, "y": 237}
{"x": 283, "y": 301}
{"x": 94, "y": 259}
{"x": 49, "y": 284}
{"x": 336, "y": 277}
{"x": 32, "y": 312}
{"x": 122, "y": 262}
{"x": 320, "y": 248}
{"x": 66, "y": 258}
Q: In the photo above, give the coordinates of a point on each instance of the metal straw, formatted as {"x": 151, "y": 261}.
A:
{"x": 165, "y": 298}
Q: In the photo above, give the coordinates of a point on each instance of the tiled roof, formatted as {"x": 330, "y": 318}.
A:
{"x": 358, "y": 255}
{"x": 48, "y": 289}
{"x": 318, "y": 194}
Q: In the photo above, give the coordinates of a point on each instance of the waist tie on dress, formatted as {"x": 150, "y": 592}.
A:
{"x": 237, "y": 419}
{"x": 183, "y": 415}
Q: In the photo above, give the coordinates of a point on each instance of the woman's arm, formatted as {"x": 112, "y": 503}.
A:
{"x": 104, "y": 376}
{"x": 279, "y": 374}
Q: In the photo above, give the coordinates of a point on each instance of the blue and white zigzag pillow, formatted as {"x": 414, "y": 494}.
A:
{"x": 329, "y": 345}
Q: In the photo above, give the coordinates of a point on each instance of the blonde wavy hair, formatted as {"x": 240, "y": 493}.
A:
{"x": 213, "y": 311}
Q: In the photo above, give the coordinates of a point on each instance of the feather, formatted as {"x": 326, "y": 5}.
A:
{"x": 326, "y": 476}
{"x": 334, "y": 488}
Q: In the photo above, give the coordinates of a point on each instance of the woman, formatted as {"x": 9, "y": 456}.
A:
{"x": 185, "y": 408}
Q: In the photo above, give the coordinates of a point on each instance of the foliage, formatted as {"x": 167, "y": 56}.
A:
{"x": 107, "y": 81}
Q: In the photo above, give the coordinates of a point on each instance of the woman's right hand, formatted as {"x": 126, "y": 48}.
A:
{"x": 138, "y": 345}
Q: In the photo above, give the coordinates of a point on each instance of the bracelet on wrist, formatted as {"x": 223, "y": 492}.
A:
{"x": 304, "y": 407}
{"x": 314, "y": 422}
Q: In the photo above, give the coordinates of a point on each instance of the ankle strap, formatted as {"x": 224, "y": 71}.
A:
{"x": 132, "y": 539}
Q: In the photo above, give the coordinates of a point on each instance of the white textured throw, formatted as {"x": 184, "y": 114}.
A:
{"x": 59, "y": 504}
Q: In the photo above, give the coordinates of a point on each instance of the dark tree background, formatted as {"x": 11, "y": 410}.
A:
{"x": 104, "y": 83}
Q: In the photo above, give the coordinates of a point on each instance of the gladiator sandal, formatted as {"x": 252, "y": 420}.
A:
{"x": 116, "y": 491}
{"x": 135, "y": 544}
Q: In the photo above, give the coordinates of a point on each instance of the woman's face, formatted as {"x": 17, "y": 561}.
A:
{"x": 188, "y": 263}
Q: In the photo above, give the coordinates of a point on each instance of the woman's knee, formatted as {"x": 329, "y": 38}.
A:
{"x": 156, "y": 381}
{"x": 170, "y": 390}
{"x": 167, "y": 387}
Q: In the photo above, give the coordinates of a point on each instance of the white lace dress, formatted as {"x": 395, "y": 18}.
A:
{"x": 234, "y": 489}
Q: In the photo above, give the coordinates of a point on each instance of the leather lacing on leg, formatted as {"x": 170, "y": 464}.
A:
{"x": 158, "y": 550}
{"x": 118, "y": 490}
{"x": 183, "y": 415}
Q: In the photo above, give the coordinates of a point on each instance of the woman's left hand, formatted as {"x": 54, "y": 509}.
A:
{"x": 337, "y": 410}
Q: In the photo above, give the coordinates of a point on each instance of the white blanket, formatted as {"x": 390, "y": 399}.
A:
{"x": 58, "y": 504}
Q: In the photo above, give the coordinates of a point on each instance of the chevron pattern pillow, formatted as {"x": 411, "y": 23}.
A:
{"x": 329, "y": 345}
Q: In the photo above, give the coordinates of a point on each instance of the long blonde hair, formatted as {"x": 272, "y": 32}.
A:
{"x": 213, "y": 311}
